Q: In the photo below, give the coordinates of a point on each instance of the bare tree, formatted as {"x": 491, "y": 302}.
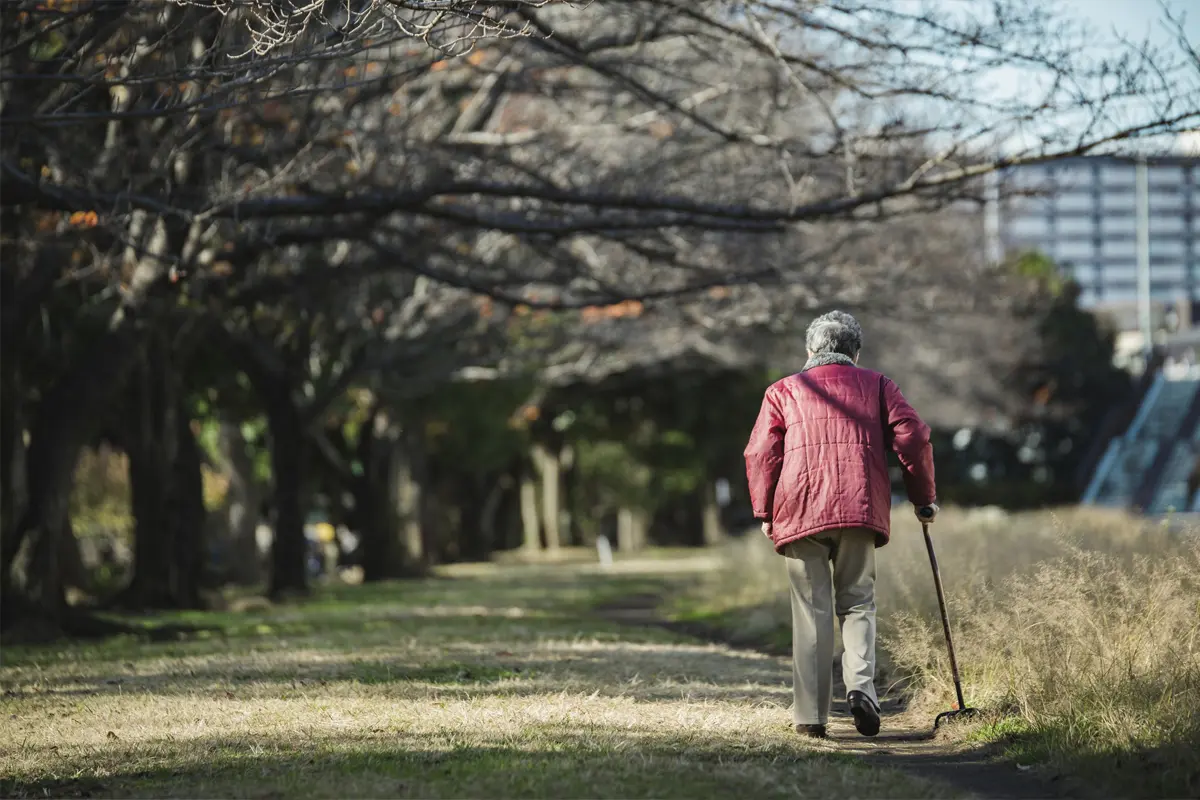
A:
{"x": 157, "y": 156}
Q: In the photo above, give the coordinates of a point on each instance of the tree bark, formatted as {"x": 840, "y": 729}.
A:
{"x": 489, "y": 513}
{"x": 240, "y": 511}
{"x": 377, "y": 525}
{"x": 714, "y": 530}
{"x": 65, "y": 419}
{"x": 474, "y": 501}
{"x": 631, "y": 529}
{"x": 151, "y": 445}
{"x": 288, "y": 570}
{"x": 407, "y": 472}
{"x": 12, "y": 449}
{"x": 547, "y": 464}
{"x": 570, "y": 485}
{"x": 389, "y": 502}
{"x": 531, "y": 542}
{"x": 189, "y": 553}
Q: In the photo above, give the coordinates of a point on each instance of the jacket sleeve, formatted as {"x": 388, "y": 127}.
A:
{"x": 909, "y": 438}
{"x": 764, "y": 456}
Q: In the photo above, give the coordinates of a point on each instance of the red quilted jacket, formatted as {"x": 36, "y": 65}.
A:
{"x": 816, "y": 459}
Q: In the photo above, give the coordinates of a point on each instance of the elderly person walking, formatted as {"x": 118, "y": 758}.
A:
{"x": 817, "y": 467}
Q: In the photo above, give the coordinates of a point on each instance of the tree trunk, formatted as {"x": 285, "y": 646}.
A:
{"x": 547, "y": 465}
{"x": 240, "y": 512}
{"x": 407, "y": 498}
{"x": 489, "y": 512}
{"x": 714, "y": 531}
{"x": 187, "y": 521}
{"x": 375, "y": 523}
{"x": 70, "y": 561}
{"x": 474, "y": 541}
{"x": 12, "y": 447}
{"x": 288, "y": 568}
{"x": 154, "y": 444}
{"x": 631, "y": 529}
{"x": 389, "y": 499}
{"x": 570, "y": 485}
{"x": 530, "y": 542}
{"x": 65, "y": 419}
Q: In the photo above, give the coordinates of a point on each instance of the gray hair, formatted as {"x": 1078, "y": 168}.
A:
{"x": 835, "y": 332}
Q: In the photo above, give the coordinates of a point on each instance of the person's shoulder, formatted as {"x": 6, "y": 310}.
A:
{"x": 784, "y": 383}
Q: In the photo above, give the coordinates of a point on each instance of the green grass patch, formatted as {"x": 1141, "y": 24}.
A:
{"x": 489, "y": 682}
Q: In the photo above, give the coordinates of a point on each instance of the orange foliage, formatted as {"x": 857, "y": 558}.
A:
{"x": 718, "y": 292}
{"x": 84, "y": 219}
{"x": 626, "y": 308}
{"x": 476, "y": 58}
{"x": 438, "y": 66}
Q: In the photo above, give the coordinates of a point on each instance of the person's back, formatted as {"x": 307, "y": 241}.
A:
{"x": 828, "y": 469}
{"x": 816, "y": 464}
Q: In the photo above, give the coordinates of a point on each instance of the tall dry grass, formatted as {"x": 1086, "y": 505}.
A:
{"x": 1079, "y": 629}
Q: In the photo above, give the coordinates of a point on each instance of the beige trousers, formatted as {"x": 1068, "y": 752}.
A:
{"x": 817, "y": 593}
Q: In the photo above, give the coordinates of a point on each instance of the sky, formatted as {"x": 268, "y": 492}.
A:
{"x": 1133, "y": 19}
{"x": 1129, "y": 16}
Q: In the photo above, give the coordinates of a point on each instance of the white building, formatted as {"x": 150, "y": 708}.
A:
{"x": 1083, "y": 213}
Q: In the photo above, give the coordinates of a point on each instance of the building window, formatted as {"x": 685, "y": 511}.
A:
{"x": 1119, "y": 223}
{"x": 1159, "y": 248}
{"x": 1117, "y": 175}
{"x": 1171, "y": 271}
{"x": 1166, "y": 202}
{"x": 1079, "y": 250}
{"x": 1120, "y": 273}
{"x": 1067, "y": 178}
{"x": 1117, "y": 200}
{"x": 1074, "y": 226}
{"x": 1074, "y": 201}
{"x": 1165, "y": 176}
{"x": 1027, "y": 228}
{"x": 1118, "y": 248}
{"x": 1166, "y": 223}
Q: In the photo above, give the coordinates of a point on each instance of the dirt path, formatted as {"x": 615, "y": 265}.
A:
{"x": 905, "y": 743}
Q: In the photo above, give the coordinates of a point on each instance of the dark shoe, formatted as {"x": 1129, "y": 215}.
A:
{"x": 866, "y": 714}
{"x": 811, "y": 731}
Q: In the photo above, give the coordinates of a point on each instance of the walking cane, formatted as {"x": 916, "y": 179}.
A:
{"x": 962, "y": 709}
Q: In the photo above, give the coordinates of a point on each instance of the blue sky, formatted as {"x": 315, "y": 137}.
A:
{"x": 1110, "y": 19}
{"x": 1132, "y": 17}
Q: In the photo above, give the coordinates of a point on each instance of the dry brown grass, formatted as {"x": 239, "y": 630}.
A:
{"x": 496, "y": 682}
{"x": 1079, "y": 630}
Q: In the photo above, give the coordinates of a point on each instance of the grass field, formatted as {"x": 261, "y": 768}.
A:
{"x": 495, "y": 681}
{"x": 1079, "y": 633}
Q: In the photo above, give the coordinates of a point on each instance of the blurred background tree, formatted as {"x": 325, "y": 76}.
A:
{"x": 502, "y": 276}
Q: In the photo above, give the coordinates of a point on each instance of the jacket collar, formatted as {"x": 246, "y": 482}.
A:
{"x": 824, "y": 359}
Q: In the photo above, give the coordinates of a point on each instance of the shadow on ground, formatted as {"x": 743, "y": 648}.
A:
{"x": 567, "y": 762}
